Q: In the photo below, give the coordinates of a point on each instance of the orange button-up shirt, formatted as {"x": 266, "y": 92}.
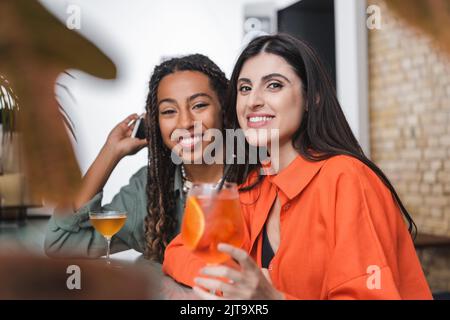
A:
{"x": 342, "y": 235}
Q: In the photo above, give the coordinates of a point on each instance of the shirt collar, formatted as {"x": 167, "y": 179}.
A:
{"x": 296, "y": 176}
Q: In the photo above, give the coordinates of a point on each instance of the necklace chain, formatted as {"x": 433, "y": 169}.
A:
{"x": 187, "y": 184}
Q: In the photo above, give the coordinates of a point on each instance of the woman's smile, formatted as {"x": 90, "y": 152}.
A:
{"x": 259, "y": 120}
{"x": 190, "y": 142}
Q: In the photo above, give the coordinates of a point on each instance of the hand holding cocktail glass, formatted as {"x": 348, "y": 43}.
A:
{"x": 212, "y": 218}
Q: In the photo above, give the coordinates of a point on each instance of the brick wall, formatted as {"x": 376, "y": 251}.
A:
{"x": 409, "y": 101}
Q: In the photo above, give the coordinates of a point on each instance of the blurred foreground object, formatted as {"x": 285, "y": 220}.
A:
{"x": 430, "y": 16}
{"x": 34, "y": 49}
{"x": 36, "y": 277}
{"x": 14, "y": 194}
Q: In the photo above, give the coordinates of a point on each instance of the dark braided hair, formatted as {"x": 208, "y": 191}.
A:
{"x": 160, "y": 222}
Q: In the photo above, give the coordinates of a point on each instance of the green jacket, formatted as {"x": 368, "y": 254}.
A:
{"x": 70, "y": 234}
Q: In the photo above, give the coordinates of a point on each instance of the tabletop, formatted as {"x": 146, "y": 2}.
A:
{"x": 28, "y": 240}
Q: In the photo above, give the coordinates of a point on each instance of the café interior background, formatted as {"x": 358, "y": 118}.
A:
{"x": 393, "y": 83}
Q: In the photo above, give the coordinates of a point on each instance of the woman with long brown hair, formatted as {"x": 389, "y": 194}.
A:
{"x": 323, "y": 222}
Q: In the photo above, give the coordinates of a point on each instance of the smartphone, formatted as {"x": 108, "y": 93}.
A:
{"x": 139, "y": 128}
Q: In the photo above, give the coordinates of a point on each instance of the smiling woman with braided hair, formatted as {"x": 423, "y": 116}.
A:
{"x": 182, "y": 91}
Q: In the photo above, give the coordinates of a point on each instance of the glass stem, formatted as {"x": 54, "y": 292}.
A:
{"x": 108, "y": 240}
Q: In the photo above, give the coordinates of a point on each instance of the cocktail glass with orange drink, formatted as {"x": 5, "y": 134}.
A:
{"x": 211, "y": 218}
{"x": 108, "y": 223}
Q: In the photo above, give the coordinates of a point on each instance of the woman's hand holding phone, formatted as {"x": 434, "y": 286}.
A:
{"x": 119, "y": 144}
{"x": 121, "y": 139}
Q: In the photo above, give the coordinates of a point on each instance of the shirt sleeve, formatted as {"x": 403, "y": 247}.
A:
{"x": 70, "y": 234}
{"x": 180, "y": 263}
{"x": 373, "y": 255}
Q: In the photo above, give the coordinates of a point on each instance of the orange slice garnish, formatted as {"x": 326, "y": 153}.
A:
{"x": 193, "y": 223}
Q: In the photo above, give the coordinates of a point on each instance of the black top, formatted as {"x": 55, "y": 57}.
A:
{"x": 267, "y": 251}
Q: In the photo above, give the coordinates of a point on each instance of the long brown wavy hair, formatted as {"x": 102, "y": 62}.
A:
{"x": 324, "y": 131}
{"x": 160, "y": 222}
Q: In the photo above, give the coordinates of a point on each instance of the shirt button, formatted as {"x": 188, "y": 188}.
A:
{"x": 270, "y": 267}
{"x": 287, "y": 206}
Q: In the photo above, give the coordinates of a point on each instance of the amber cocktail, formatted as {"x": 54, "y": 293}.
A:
{"x": 108, "y": 223}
